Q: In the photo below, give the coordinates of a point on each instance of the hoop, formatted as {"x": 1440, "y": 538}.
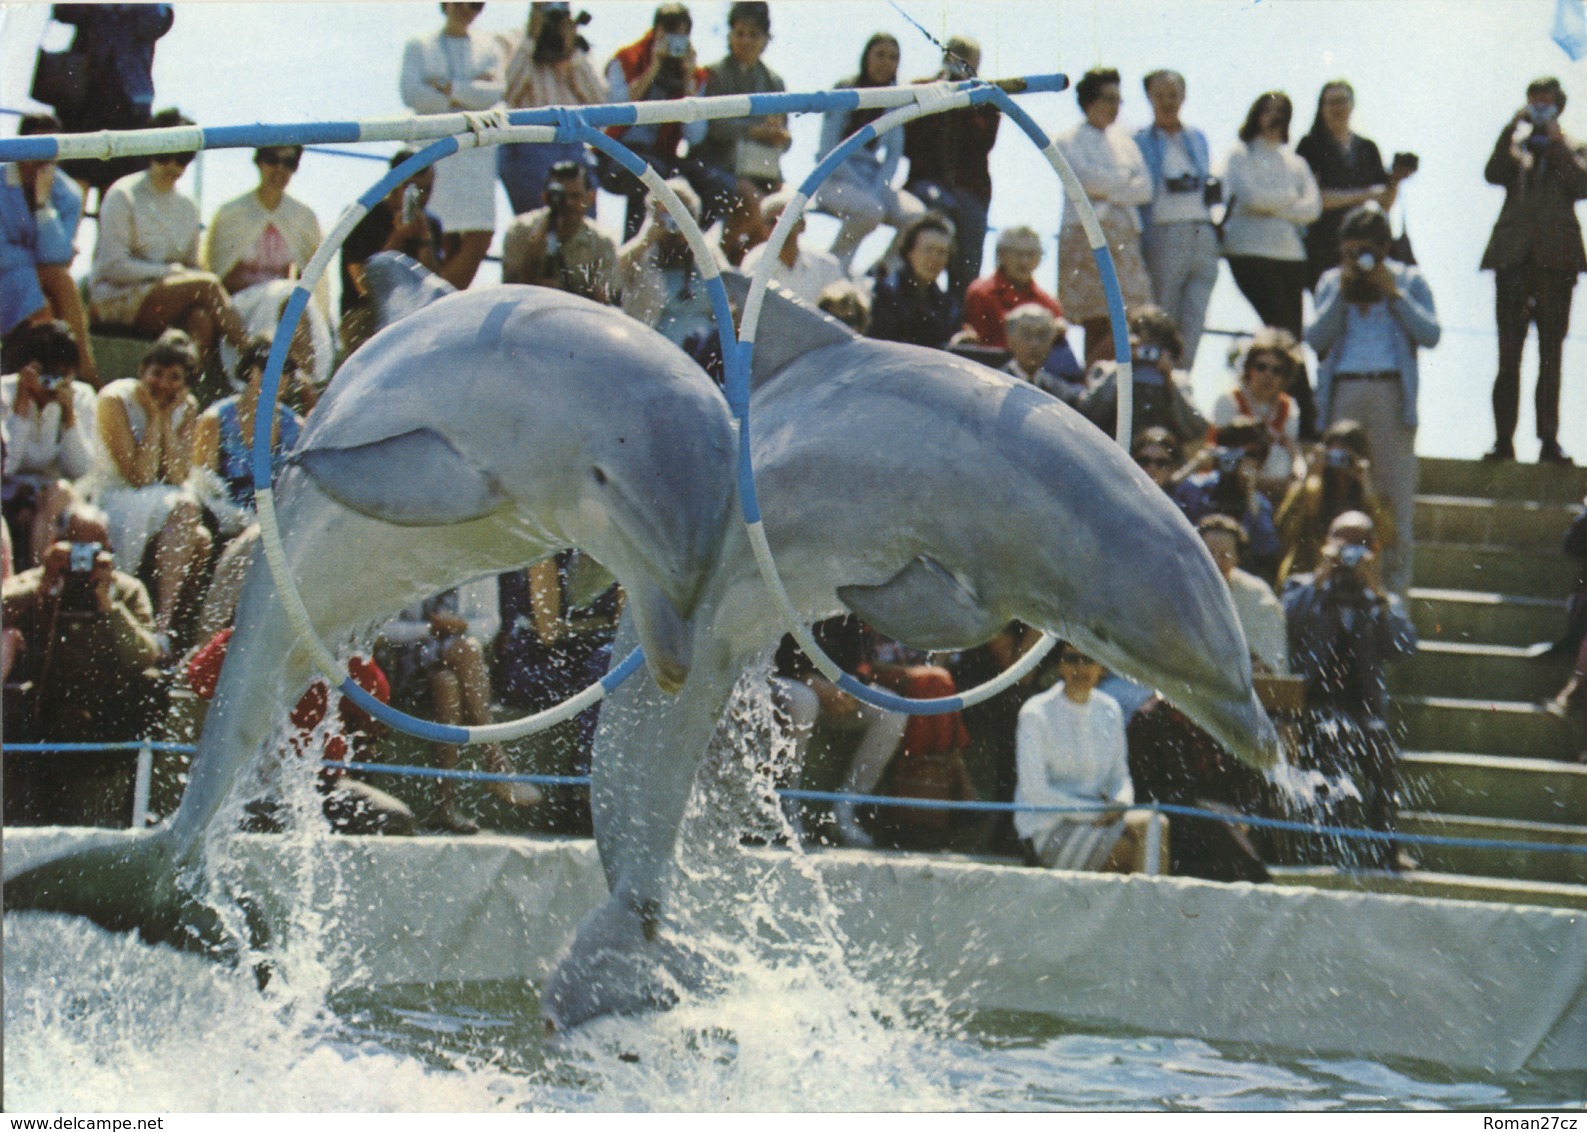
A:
{"x": 484, "y": 132}
{"x": 930, "y": 100}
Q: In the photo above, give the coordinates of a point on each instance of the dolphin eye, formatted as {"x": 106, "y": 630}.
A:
{"x": 598, "y": 473}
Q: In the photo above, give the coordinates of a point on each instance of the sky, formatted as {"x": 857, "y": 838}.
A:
{"x": 1438, "y": 77}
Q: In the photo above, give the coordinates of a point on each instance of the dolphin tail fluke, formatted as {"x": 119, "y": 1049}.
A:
{"x": 619, "y": 963}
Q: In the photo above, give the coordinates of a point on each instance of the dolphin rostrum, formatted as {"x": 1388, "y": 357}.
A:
{"x": 938, "y": 500}
{"x": 476, "y": 435}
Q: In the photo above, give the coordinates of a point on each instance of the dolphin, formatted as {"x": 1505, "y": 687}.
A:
{"x": 938, "y": 500}
{"x": 478, "y": 433}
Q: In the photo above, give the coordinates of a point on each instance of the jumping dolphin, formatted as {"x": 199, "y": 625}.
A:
{"x": 938, "y": 500}
{"x": 476, "y": 435}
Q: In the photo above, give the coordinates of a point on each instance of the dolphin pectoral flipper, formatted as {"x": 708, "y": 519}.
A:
{"x": 436, "y": 485}
{"x": 924, "y": 605}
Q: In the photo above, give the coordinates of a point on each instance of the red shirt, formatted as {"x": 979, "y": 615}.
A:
{"x": 988, "y": 300}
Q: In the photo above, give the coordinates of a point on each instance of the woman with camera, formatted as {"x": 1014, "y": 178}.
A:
{"x": 1349, "y": 171}
{"x": 1338, "y": 479}
{"x": 551, "y": 67}
{"x": 1271, "y": 364}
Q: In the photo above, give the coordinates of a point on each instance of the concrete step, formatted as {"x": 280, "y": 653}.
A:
{"x": 1493, "y": 786}
{"x": 1505, "y": 672}
{"x": 1448, "y": 886}
{"x": 1491, "y": 727}
{"x": 1494, "y": 860}
{"x": 1489, "y": 618}
{"x": 1519, "y": 524}
{"x": 1540, "y": 483}
{"x": 1493, "y": 569}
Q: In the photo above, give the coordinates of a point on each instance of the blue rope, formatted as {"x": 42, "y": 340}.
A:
{"x": 129, "y": 745}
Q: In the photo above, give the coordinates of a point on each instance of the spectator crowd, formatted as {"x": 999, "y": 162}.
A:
{"x": 128, "y": 504}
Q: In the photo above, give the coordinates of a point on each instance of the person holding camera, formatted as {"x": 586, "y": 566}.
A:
{"x": 1344, "y": 629}
{"x": 1162, "y": 390}
{"x": 1178, "y": 239}
{"x": 551, "y": 67}
{"x": 1271, "y": 364}
{"x": 1372, "y": 315}
{"x": 1222, "y": 481}
{"x": 399, "y": 222}
{"x": 1338, "y": 479}
{"x": 88, "y": 651}
{"x": 661, "y": 284}
{"x": 49, "y": 430}
{"x": 558, "y": 246}
{"x": 1535, "y": 253}
{"x": 1349, "y": 171}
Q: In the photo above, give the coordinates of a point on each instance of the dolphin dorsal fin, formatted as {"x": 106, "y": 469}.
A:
{"x": 925, "y": 605}
{"x": 401, "y": 285}
{"x": 788, "y": 329}
{"x": 416, "y": 479}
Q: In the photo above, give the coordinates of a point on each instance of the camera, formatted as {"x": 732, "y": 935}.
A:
{"x": 1228, "y": 459}
{"x": 82, "y": 557}
{"x": 1408, "y": 162}
{"x": 1340, "y": 458}
{"x": 1148, "y": 354}
{"x": 50, "y": 382}
{"x": 556, "y": 196}
{"x": 1353, "y": 554}
{"x": 1367, "y": 262}
{"x": 410, "y": 203}
{"x": 77, "y": 591}
{"x": 675, "y": 45}
{"x": 1184, "y": 183}
{"x": 1211, "y": 192}
{"x": 1540, "y": 115}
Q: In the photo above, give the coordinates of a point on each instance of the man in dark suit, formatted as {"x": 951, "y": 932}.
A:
{"x": 1535, "y": 253}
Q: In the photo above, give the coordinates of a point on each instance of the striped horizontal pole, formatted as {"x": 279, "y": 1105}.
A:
{"x": 410, "y": 128}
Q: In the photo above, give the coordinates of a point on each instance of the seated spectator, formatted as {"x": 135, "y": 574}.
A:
{"x": 397, "y": 223}
{"x": 992, "y": 725}
{"x": 662, "y": 287}
{"x": 1227, "y": 486}
{"x": 351, "y": 806}
{"x": 223, "y": 442}
{"x": 745, "y": 153}
{"x": 1157, "y": 453}
{"x": 1373, "y": 316}
{"x": 550, "y": 67}
{"x": 146, "y": 273}
{"x": 928, "y": 765}
{"x": 452, "y": 70}
{"x": 1032, "y": 331}
{"x": 1162, "y": 395}
{"x": 39, "y": 213}
{"x": 434, "y": 654}
{"x": 1344, "y": 629}
{"x": 1011, "y": 284}
{"x": 264, "y": 234}
{"x": 860, "y": 192}
{"x": 658, "y": 66}
{"x": 1072, "y": 752}
{"x": 49, "y": 429}
{"x": 1261, "y": 615}
{"x": 144, "y": 474}
{"x": 1271, "y": 364}
{"x": 1113, "y": 173}
{"x": 907, "y": 304}
{"x": 558, "y": 246}
{"x": 1338, "y": 479}
{"x": 848, "y": 304}
{"x": 88, "y": 649}
{"x": 804, "y": 271}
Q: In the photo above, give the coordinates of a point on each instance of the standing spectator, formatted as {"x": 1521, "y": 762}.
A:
{"x": 1114, "y": 176}
{"x": 39, "y": 213}
{"x": 908, "y": 305}
{"x": 746, "y": 152}
{"x": 1272, "y": 196}
{"x": 804, "y": 271}
{"x": 264, "y": 234}
{"x": 1071, "y": 751}
{"x": 1261, "y": 616}
{"x": 119, "y": 41}
{"x": 659, "y": 65}
{"x": 453, "y": 70}
{"x": 1177, "y": 238}
{"x": 1032, "y": 330}
{"x": 551, "y": 67}
{"x": 399, "y": 222}
{"x": 1338, "y": 479}
{"x": 860, "y": 192}
{"x": 1161, "y": 389}
{"x": 1535, "y": 253}
{"x": 146, "y": 271}
{"x": 558, "y": 245}
{"x": 949, "y": 165}
{"x": 1343, "y": 630}
{"x": 1011, "y": 284}
{"x": 662, "y": 286}
{"x": 1570, "y": 696}
{"x": 1349, "y": 171}
{"x": 49, "y": 431}
{"x": 1272, "y": 364}
{"x": 1372, "y": 315}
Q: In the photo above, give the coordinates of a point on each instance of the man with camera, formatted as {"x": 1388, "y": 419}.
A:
{"x": 1178, "y": 239}
{"x": 1535, "y": 253}
{"x": 1161, "y": 389}
{"x": 1344, "y": 628}
{"x": 558, "y": 246}
{"x": 1372, "y": 315}
{"x": 88, "y": 651}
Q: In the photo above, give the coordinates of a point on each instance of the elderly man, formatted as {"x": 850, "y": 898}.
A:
{"x": 1011, "y": 284}
{"x": 1178, "y": 239}
{"x": 661, "y": 285}
{"x": 1035, "y": 338}
{"x": 804, "y": 271}
{"x": 558, "y": 246}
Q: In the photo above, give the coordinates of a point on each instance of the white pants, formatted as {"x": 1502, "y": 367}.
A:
{"x": 862, "y": 208}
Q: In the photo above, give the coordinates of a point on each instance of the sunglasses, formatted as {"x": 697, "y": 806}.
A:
{"x": 1265, "y": 367}
{"x": 285, "y": 160}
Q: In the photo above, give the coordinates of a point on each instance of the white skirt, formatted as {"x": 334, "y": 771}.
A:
{"x": 1078, "y": 845}
{"x": 136, "y": 516}
{"x": 464, "y": 199}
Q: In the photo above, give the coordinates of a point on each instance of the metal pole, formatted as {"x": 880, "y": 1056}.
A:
{"x": 140, "y": 789}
